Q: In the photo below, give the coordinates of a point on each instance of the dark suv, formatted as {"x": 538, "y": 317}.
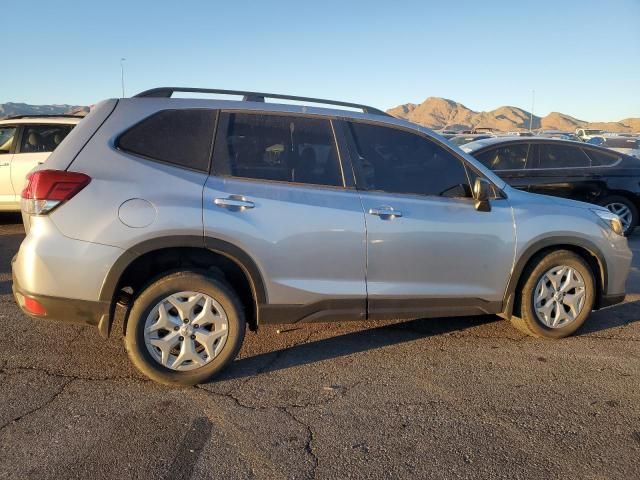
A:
{"x": 567, "y": 169}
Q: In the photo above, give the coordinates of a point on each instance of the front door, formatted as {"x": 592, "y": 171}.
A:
{"x": 278, "y": 192}
{"x": 429, "y": 251}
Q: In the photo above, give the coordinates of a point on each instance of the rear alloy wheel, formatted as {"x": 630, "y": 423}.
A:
{"x": 184, "y": 328}
{"x": 623, "y": 208}
{"x": 557, "y": 296}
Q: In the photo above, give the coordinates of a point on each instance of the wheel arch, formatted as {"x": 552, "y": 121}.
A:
{"x": 182, "y": 247}
{"x": 586, "y": 249}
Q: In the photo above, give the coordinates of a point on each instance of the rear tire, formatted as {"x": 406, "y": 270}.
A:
{"x": 548, "y": 307}
{"x": 624, "y": 208}
{"x": 184, "y": 328}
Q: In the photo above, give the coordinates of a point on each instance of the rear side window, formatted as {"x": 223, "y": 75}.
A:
{"x": 397, "y": 161}
{"x": 562, "y": 156}
{"x": 43, "y": 138}
{"x": 179, "y": 137}
{"x": 601, "y": 159}
{"x": 281, "y": 148}
{"x": 509, "y": 157}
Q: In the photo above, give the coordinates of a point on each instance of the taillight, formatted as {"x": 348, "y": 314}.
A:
{"x": 46, "y": 189}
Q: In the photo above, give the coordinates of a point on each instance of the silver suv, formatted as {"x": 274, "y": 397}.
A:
{"x": 202, "y": 218}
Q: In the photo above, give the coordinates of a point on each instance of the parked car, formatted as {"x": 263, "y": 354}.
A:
{"x": 566, "y": 169}
{"x": 25, "y": 142}
{"x": 200, "y": 217}
{"x": 585, "y": 134}
{"x": 558, "y": 134}
{"x": 462, "y": 139}
{"x": 624, "y": 144}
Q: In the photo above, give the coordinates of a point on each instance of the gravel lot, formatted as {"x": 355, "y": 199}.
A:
{"x": 441, "y": 398}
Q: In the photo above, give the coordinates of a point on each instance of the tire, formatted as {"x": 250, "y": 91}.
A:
{"x": 529, "y": 322}
{"x": 614, "y": 203}
{"x": 194, "y": 362}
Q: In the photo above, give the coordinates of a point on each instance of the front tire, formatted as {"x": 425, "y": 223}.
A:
{"x": 184, "y": 328}
{"x": 557, "y": 296}
{"x": 625, "y": 209}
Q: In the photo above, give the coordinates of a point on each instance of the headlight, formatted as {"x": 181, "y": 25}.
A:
{"x": 611, "y": 220}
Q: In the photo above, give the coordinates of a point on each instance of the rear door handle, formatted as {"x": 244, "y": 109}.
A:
{"x": 385, "y": 212}
{"x": 234, "y": 202}
{"x": 4, "y": 164}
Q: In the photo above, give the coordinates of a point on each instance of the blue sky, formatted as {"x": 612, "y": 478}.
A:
{"x": 581, "y": 57}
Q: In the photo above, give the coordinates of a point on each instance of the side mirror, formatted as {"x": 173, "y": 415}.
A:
{"x": 482, "y": 194}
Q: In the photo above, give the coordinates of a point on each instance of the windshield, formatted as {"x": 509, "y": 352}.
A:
{"x": 592, "y": 132}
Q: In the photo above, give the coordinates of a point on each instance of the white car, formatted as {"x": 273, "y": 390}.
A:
{"x": 26, "y": 142}
{"x": 586, "y": 134}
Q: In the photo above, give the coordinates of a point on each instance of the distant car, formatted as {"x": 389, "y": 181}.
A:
{"x": 462, "y": 139}
{"x": 567, "y": 169}
{"x": 26, "y": 142}
{"x": 585, "y": 134}
{"x": 558, "y": 134}
{"x": 447, "y": 133}
{"x": 624, "y": 144}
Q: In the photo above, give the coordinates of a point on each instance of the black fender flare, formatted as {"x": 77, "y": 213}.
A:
{"x": 549, "y": 242}
{"x": 215, "y": 245}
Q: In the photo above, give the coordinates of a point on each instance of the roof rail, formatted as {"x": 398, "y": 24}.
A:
{"x": 48, "y": 115}
{"x": 167, "y": 92}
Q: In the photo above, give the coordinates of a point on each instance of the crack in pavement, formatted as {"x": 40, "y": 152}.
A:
{"x": 15, "y": 370}
{"x": 36, "y": 409}
{"x": 308, "y": 446}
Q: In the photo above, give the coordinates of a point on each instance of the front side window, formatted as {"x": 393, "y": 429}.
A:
{"x": 562, "y": 156}
{"x": 178, "y": 137}
{"x": 397, "y": 161}
{"x": 509, "y": 157}
{"x": 7, "y": 134}
{"x": 281, "y": 148}
{"x": 43, "y": 138}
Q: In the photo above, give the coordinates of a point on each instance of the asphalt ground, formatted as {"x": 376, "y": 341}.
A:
{"x": 437, "y": 398}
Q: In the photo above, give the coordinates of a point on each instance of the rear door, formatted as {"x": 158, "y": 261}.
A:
{"x": 36, "y": 144}
{"x": 278, "y": 191}
{"x": 511, "y": 162}
{"x": 7, "y": 147}
{"x": 563, "y": 170}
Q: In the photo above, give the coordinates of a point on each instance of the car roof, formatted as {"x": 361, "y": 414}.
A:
{"x": 41, "y": 120}
{"x": 479, "y": 144}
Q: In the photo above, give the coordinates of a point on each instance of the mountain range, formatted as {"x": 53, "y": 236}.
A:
{"x": 438, "y": 113}
{"x": 434, "y": 112}
{"x": 10, "y": 109}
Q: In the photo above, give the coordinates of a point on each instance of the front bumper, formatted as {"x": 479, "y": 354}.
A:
{"x": 62, "y": 309}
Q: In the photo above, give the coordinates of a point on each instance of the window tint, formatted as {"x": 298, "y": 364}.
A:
{"x": 558, "y": 156}
{"x": 180, "y": 137}
{"x": 43, "y": 138}
{"x": 7, "y": 135}
{"x": 601, "y": 159}
{"x": 397, "y": 161}
{"x": 509, "y": 157}
{"x": 277, "y": 147}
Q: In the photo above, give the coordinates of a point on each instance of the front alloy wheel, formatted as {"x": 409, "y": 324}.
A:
{"x": 559, "y": 296}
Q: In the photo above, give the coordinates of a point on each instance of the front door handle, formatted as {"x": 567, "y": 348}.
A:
{"x": 234, "y": 202}
{"x": 385, "y": 212}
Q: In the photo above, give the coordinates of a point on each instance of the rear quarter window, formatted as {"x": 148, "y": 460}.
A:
{"x": 178, "y": 137}
{"x": 602, "y": 159}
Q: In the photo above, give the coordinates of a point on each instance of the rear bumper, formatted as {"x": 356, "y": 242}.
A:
{"x": 62, "y": 309}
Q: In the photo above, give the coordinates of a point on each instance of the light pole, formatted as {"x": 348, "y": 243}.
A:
{"x": 122, "y": 60}
{"x": 533, "y": 103}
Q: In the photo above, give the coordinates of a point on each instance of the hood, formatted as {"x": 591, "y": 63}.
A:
{"x": 549, "y": 201}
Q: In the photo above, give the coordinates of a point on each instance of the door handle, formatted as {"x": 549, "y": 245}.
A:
{"x": 234, "y": 202}
{"x": 385, "y": 212}
{"x": 4, "y": 164}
